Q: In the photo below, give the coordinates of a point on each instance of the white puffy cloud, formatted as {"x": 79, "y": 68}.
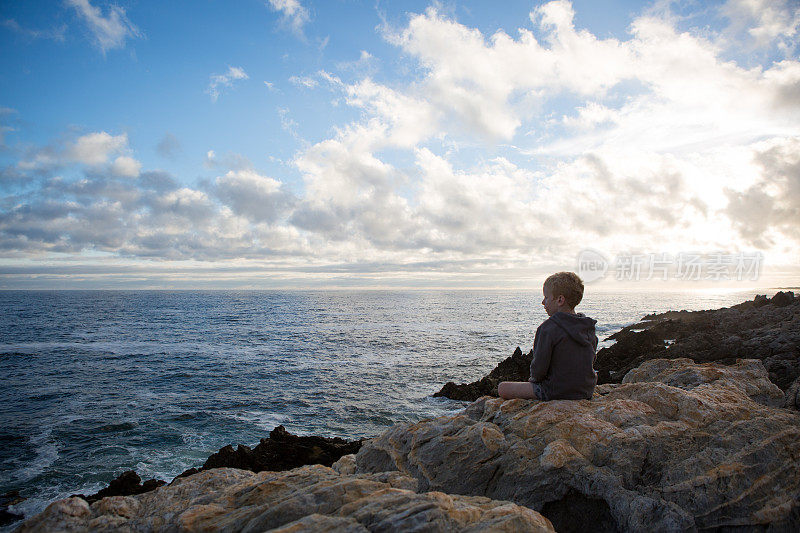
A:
{"x": 109, "y": 31}
{"x": 492, "y": 86}
{"x": 96, "y": 148}
{"x": 126, "y": 167}
{"x": 219, "y": 82}
{"x": 252, "y": 195}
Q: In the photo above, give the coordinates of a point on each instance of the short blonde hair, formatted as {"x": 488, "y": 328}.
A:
{"x": 566, "y": 284}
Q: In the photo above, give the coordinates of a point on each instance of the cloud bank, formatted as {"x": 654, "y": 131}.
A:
{"x": 512, "y": 151}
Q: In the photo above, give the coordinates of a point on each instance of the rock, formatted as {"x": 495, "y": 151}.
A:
{"x": 8, "y": 499}
{"x": 308, "y": 499}
{"x": 126, "y": 484}
{"x": 677, "y": 446}
{"x": 782, "y": 299}
{"x": 765, "y": 329}
{"x": 792, "y": 396}
{"x": 283, "y": 451}
{"x": 69, "y": 514}
{"x": 514, "y": 368}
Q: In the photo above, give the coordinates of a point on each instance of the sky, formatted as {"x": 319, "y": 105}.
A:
{"x": 347, "y": 144}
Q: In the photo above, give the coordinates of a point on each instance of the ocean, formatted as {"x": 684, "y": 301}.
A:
{"x": 99, "y": 382}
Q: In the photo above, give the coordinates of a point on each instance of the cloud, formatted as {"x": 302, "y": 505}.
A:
{"x": 292, "y": 13}
{"x": 366, "y": 62}
{"x": 490, "y": 87}
{"x": 55, "y": 34}
{"x": 169, "y": 146}
{"x": 303, "y": 81}
{"x": 764, "y": 22}
{"x": 258, "y": 198}
{"x": 96, "y": 148}
{"x": 127, "y": 167}
{"x": 289, "y": 125}
{"x": 770, "y": 206}
{"x": 109, "y": 31}
{"x": 496, "y": 150}
{"x": 223, "y": 81}
{"x": 5, "y": 113}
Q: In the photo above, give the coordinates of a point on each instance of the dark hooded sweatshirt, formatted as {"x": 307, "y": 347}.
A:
{"x": 563, "y": 353}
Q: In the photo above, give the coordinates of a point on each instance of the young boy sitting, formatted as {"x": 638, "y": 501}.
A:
{"x": 563, "y": 349}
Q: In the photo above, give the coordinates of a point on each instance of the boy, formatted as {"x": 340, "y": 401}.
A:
{"x": 563, "y": 349}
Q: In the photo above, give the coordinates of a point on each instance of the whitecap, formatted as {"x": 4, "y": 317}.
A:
{"x": 261, "y": 419}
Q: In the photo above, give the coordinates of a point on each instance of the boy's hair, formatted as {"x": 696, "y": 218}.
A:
{"x": 568, "y": 285}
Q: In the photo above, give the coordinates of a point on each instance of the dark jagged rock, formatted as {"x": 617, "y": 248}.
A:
{"x": 127, "y": 484}
{"x": 187, "y": 473}
{"x": 763, "y": 328}
{"x": 283, "y": 451}
{"x": 514, "y": 368}
{"x": 280, "y": 451}
{"x": 8, "y": 499}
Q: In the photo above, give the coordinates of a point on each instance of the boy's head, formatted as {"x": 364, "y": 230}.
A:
{"x": 562, "y": 292}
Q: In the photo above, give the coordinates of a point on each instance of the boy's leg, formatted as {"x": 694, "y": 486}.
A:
{"x": 516, "y": 389}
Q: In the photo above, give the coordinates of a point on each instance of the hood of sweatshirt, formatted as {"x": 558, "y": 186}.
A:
{"x": 579, "y": 327}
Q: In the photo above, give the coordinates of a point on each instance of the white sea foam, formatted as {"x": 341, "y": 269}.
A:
{"x": 262, "y": 419}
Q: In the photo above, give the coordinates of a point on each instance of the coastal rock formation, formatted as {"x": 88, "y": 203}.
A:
{"x": 126, "y": 484}
{"x": 283, "y": 451}
{"x": 677, "y": 446}
{"x": 763, "y": 328}
{"x": 510, "y": 369}
{"x": 307, "y": 499}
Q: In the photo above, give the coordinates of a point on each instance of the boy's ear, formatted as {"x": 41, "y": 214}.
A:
{"x": 561, "y": 300}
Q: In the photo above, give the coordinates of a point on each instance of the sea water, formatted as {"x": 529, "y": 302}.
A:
{"x": 98, "y": 382}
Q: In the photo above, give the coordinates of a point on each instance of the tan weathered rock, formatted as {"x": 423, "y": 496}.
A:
{"x": 677, "y": 446}
{"x": 311, "y": 498}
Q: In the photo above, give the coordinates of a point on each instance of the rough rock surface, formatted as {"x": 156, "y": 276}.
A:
{"x": 283, "y": 451}
{"x": 127, "y": 484}
{"x": 763, "y": 328}
{"x": 307, "y": 499}
{"x": 677, "y": 446}
{"x": 510, "y": 369}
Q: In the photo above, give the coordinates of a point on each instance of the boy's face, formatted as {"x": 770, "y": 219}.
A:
{"x": 550, "y": 303}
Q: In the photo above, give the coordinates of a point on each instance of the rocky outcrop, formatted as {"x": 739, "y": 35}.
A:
{"x": 126, "y": 484}
{"x": 308, "y": 499}
{"x": 510, "y": 369}
{"x": 763, "y": 328}
{"x": 283, "y": 451}
{"x": 677, "y": 446}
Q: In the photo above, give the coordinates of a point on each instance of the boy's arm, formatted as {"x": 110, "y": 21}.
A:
{"x": 542, "y": 351}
